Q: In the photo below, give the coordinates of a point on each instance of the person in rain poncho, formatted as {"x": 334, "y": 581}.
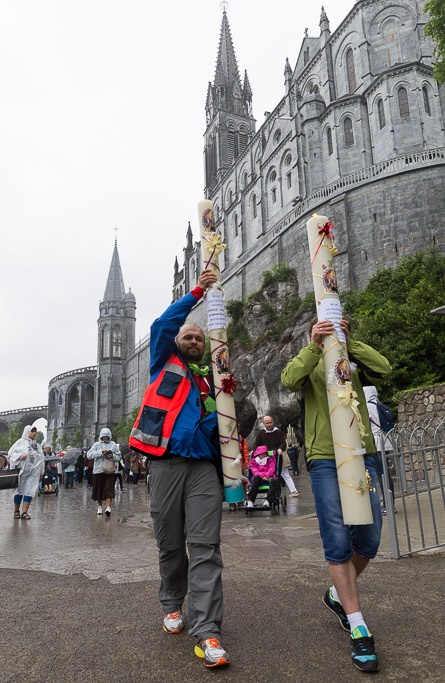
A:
{"x": 26, "y": 454}
{"x": 372, "y": 398}
{"x": 103, "y": 484}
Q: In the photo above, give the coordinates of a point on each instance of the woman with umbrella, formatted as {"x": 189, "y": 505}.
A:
{"x": 26, "y": 454}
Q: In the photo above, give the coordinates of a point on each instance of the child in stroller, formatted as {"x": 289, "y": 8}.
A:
{"x": 264, "y": 474}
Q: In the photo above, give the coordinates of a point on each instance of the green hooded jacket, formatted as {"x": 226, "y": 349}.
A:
{"x": 305, "y": 374}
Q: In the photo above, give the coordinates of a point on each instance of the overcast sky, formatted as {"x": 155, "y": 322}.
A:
{"x": 101, "y": 125}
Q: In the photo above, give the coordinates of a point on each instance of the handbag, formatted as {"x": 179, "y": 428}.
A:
{"x": 108, "y": 466}
{"x": 9, "y": 479}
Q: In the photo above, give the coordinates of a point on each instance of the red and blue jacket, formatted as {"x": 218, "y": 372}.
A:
{"x": 171, "y": 420}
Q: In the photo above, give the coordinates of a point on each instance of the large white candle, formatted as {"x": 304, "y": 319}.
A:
{"x": 211, "y": 247}
{"x": 346, "y": 424}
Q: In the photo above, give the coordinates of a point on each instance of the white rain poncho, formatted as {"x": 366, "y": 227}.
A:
{"x": 32, "y": 468}
{"x": 96, "y": 451}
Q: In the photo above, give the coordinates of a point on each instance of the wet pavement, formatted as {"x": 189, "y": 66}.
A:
{"x": 78, "y": 599}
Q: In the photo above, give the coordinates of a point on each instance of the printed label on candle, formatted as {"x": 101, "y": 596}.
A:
{"x": 330, "y": 309}
{"x": 216, "y": 313}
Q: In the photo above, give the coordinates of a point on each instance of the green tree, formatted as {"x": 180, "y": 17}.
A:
{"x": 64, "y": 440}
{"x": 435, "y": 28}
{"x": 393, "y": 315}
{"x": 77, "y": 438}
{"x": 54, "y": 440}
{"x": 123, "y": 428}
{"x": 12, "y": 435}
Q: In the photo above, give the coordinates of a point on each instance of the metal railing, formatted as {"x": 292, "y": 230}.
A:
{"x": 416, "y": 464}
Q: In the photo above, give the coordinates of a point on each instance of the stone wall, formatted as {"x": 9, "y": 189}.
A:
{"x": 421, "y": 404}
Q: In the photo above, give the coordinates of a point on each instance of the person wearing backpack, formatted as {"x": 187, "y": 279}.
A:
{"x": 380, "y": 421}
{"x": 348, "y": 549}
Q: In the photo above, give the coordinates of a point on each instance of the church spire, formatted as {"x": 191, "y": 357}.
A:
{"x": 227, "y": 92}
{"x": 229, "y": 117}
{"x": 115, "y": 290}
{"x": 324, "y": 21}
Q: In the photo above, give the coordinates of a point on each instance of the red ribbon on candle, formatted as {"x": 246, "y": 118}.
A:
{"x": 326, "y": 231}
{"x": 228, "y": 384}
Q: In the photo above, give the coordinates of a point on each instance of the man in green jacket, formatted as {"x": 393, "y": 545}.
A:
{"x": 347, "y": 549}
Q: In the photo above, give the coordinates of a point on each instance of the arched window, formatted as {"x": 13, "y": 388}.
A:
{"x": 117, "y": 342}
{"x": 426, "y": 101}
{"x": 381, "y": 114}
{"x": 402, "y": 96}
{"x": 329, "y": 141}
{"x": 105, "y": 342}
{"x": 235, "y": 224}
{"x": 348, "y": 132}
{"x": 254, "y": 207}
{"x": 350, "y": 71}
{"x": 245, "y": 179}
{"x": 242, "y": 139}
{"x": 391, "y": 39}
{"x": 232, "y": 145}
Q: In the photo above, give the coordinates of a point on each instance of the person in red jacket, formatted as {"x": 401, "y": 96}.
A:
{"x": 177, "y": 429}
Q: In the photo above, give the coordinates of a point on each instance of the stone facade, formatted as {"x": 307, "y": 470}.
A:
{"x": 358, "y": 136}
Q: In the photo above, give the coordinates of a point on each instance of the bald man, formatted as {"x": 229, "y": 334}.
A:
{"x": 177, "y": 428}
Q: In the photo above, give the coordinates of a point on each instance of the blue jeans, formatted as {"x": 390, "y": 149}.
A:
{"x": 340, "y": 540}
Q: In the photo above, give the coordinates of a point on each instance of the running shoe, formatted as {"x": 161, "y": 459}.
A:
{"x": 294, "y": 494}
{"x": 212, "y": 653}
{"x": 99, "y": 510}
{"x": 336, "y": 608}
{"x": 173, "y": 622}
{"x": 363, "y": 651}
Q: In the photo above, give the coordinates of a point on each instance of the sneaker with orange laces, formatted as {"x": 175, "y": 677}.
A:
{"x": 211, "y": 652}
{"x": 173, "y": 622}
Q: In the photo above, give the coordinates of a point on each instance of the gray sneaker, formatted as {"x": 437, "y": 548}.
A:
{"x": 173, "y": 622}
{"x": 211, "y": 651}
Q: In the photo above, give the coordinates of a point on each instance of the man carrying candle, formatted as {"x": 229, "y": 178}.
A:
{"x": 347, "y": 549}
{"x": 177, "y": 429}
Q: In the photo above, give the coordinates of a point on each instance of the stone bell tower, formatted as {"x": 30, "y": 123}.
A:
{"x": 116, "y": 339}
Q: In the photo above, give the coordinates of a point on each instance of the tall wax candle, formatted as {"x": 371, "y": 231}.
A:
{"x": 346, "y": 424}
{"x": 211, "y": 247}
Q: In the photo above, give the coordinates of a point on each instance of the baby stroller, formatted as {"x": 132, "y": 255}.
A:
{"x": 49, "y": 484}
{"x": 279, "y": 500}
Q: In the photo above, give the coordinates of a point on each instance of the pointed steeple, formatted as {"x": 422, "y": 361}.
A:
{"x": 189, "y": 237}
{"x": 229, "y": 118}
{"x": 324, "y": 21}
{"x": 227, "y": 92}
{"x": 287, "y": 76}
{"x": 115, "y": 290}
